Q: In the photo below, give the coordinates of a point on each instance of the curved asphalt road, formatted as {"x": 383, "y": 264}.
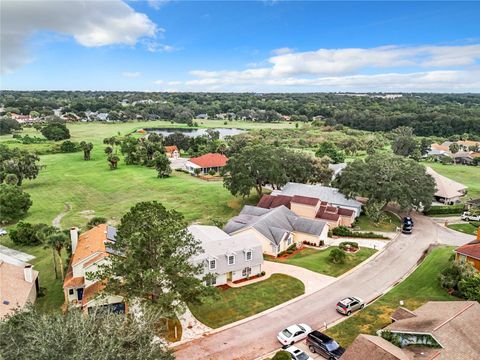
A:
{"x": 256, "y": 337}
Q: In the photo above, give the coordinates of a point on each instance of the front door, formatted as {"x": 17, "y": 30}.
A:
{"x": 229, "y": 276}
{"x": 80, "y": 294}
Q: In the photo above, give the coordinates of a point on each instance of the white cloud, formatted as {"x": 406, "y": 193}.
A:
{"x": 282, "y": 51}
{"x": 90, "y": 23}
{"x": 159, "y": 82}
{"x": 131, "y": 74}
{"x": 155, "y": 46}
{"x": 157, "y": 4}
{"x": 392, "y": 68}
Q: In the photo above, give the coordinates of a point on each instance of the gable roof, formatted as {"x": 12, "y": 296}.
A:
{"x": 304, "y": 200}
{"x": 472, "y": 249}
{"x": 446, "y": 188}
{"x": 210, "y": 160}
{"x": 324, "y": 193}
{"x": 402, "y": 313}
{"x": 273, "y": 223}
{"x": 369, "y": 347}
{"x": 92, "y": 241}
{"x": 453, "y": 324}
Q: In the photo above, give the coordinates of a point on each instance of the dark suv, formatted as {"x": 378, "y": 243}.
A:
{"x": 324, "y": 345}
{"x": 407, "y": 225}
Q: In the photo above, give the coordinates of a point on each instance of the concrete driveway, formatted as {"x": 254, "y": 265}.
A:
{"x": 254, "y": 338}
{"x": 312, "y": 280}
{"x": 178, "y": 163}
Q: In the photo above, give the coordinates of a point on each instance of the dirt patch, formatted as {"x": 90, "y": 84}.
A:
{"x": 88, "y": 214}
{"x": 56, "y": 221}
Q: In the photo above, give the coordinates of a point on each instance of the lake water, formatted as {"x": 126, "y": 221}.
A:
{"x": 195, "y": 132}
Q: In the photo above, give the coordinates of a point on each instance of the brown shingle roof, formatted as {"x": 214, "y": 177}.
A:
{"x": 305, "y": 200}
{"x": 328, "y": 216}
{"x": 453, "y": 324}
{"x": 280, "y": 200}
{"x": 402, "y": 313}
{"x": 345, "y": 212}
{"x": 368, "y": 347}
{"x": 265, "y": 201}
{"x": 472, "y": 249}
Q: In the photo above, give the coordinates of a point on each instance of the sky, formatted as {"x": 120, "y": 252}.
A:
{"x": 240, "y": 46}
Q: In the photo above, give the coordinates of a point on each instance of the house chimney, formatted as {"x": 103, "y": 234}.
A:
{"x": 74, "y": 238}
{"x": 28, "y": 273}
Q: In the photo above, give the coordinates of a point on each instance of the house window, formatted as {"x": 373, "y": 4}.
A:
{"x": 249, "y": 255}
{"x": 211, "y": 281}
{"x": 70, "y": 291}
{"x": 231, "y": 259}
{"x": 289, "y": 240}
{"x": 246, "y": 271}
{"x": 212, "y": 264}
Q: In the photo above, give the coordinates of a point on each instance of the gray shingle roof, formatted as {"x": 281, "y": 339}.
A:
{"x": 273, "y": 223}
{"x": 324, "y": 193}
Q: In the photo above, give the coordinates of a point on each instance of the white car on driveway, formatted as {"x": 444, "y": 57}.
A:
{"x": 293, "y": 333}
{"x": 470, "y": 217}
{"x": 297, "y": 354}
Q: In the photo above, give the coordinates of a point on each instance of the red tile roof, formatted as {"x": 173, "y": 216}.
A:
{"x": 210, "y": 160}
{"x": 280, "y": 200}
{"x": 328, "y": 216}
{"x": 305, "y": 200}
{"x": 345, "y": 212}
{"x": 265, "y": 201}
{"x": 331, "y": 209}
{"x": 472, "y": 249}
{"x": 170, "y": 149}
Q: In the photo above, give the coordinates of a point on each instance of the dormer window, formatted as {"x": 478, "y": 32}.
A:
{"x": 248, "y": 255}
{"x": 212, "y": 264}
{"x": 231, "y": 259}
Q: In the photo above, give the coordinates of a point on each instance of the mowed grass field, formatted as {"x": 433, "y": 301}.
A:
{"x": 421, "y": 286}
{"x": 466, "y": 175}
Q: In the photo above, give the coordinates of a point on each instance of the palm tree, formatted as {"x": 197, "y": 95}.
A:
{"x": 57, "y": 241}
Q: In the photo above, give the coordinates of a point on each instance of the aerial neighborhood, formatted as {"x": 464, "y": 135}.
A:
{"x": 225, "y": 180}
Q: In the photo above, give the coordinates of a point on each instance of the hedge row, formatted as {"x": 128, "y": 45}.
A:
{"x": 344, "y": 231}
{"x": 445, "y": 209}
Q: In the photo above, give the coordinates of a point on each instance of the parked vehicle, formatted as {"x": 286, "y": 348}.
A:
{"x": 324, "y": 345}
{"x": 407, "y": 225}
{"x": 3, "y": 232}
{"x": 297, "y": 354}
{"x": 470, "y": 217}
{"x": 350, "y": 304}
{"x": 293, "y": 333}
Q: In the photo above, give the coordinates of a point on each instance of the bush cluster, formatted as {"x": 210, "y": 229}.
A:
{"x": 347, "y": 245}
{"x": 344, "y": 231}
{"x": 445, "y": 209}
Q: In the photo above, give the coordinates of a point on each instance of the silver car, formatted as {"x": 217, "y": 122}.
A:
{"x": 350, "y": 304}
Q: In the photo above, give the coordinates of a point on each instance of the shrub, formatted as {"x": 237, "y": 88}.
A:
{"x": 470, "y": 287}
{"x": 14, "y": 203}
{"x": 8, "y": 124}
{"x": 197, "y": 171}
{"x": 97, "y": 220}
{"x": 451, "y": 276}
{"x": 262, "y": 273}
{"x": 282, "y": 355}
{"x": 27, "y": 234}
{"x": 212, "y": 172}
{"x": 344, "y": 231}
{"x": 56, "y": 131}
{"x": 337, "y": 256}
{"x": 346, "y": 245}
{"x": 445, "y": 209}
{"x": 69, "y": 146}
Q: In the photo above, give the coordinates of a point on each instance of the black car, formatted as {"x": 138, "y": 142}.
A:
{"x": 324, "y": 345}
{"x": 407, "y": 225}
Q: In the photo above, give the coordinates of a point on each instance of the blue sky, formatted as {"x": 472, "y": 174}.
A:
{"x": 241, "y": 46}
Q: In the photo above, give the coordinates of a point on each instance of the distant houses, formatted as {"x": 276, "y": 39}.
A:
{"x": 19, "y": 285}
{"x": 206, "y": 163}
{"x": 172, "y": 152}
{"x": 468, "y": 154}
{"x": 227, "y": 258}
{"x": 470, "y": 252}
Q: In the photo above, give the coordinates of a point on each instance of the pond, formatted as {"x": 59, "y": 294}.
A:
{"x": 193, "y": 132}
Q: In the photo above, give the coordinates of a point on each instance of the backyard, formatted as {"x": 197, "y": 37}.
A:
{"x": 317, "y": 260}
{"x": 421, "y": 286}
{"x": 389, "y": 223}
{"x": 239, "y": 303}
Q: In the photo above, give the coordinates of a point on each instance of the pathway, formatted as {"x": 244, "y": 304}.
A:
{"x": 56, "y": 221}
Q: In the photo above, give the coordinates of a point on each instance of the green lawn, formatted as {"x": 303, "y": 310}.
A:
{"x": 466, "y": 228}
{"x": 421, "y": 286}
{"x": 389, "y": 224}
{"x": 466, "y": 175}
{"x": 238, "y": 303}
{"x": 317, "y": 260}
